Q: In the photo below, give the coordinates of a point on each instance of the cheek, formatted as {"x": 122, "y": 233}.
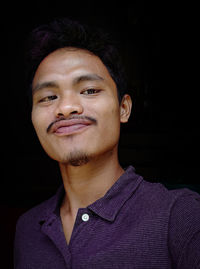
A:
{"x": 39, "y": 121}
{"x": 109, "y": 121}
{"x": 112, "y": 113}
{"x": 35, "y": 120}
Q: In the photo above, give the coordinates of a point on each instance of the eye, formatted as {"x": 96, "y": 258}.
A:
{"x": 90, "y": 91}
{"x": 48, "y": 98}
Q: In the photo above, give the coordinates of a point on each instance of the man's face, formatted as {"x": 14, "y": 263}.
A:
{"x": 76, "y": 112}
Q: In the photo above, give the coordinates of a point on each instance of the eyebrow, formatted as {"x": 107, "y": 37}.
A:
{"x": 87, "y": 77}
{"x": 77, "y": 80}
{"x": 42, "y": 85}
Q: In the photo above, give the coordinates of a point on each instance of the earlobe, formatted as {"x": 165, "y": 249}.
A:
{"x": 125, "y": 108}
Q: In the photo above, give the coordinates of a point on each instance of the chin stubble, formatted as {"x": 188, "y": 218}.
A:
{"x": 77, "y": 159}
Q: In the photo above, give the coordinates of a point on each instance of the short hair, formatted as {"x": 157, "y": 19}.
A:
{"x": 64, "y": 32}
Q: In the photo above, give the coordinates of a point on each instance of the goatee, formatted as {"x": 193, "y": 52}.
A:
{"x": 77, "y": 158}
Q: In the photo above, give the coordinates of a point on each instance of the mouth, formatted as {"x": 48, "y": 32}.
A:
{"x": 71, "y": 126}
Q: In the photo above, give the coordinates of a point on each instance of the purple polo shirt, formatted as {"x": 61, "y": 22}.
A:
{"x": 136, "y": 224}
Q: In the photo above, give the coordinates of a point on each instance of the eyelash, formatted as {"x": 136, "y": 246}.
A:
{"x": 48, "y": 98}
{"x": 95, "y": 91}
{"x": 85, "y": 92}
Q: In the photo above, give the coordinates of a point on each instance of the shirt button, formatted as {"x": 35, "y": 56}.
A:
{"x": 85, "y": 217}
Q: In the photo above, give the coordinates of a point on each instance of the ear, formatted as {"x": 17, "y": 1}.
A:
{"x": 125, "y": 108}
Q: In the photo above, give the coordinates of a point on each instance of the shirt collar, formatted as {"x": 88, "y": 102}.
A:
{"x": 110, "y": 204}
{"x": 52, "y": 206}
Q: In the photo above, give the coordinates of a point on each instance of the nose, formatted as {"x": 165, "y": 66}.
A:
{"x": 68, "y": 105}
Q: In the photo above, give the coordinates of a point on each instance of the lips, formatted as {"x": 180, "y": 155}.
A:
{"x": 67, "y": 127}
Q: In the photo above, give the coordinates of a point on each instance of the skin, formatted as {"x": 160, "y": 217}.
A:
{"x": 74, "y": 83}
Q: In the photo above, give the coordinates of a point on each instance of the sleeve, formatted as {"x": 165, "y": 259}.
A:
{"x": 16, "y": 247}
{"x": 20, "y": 238}
{"x": 184, "y": 231}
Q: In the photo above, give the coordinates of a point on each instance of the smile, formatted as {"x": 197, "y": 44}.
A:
{"x": 69, "y": 130}
{"x": 69, "y": 127}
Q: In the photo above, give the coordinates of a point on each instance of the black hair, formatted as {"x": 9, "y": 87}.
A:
{"x": 64, "y": 32}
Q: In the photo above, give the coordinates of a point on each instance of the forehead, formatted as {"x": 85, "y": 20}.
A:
{"x": 70, "y": 62}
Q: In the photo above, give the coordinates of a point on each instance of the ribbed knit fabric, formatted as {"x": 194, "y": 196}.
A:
{"x": 137, "y": 224}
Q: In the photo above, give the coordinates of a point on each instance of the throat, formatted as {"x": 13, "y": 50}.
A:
{"x": 68, "y": 222}
{"x": 83, "y": 186}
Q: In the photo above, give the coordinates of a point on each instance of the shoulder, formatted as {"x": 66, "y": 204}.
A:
{"x": 181, "y": 211}
{"x": 178, "y": 208}
{"x": 29, "y": 229}
{"x": 184, "y": 230}
{"x": 157, "y": 193}
{"x": 38, "y": 213}
{"x": 185, "y": 212}
{"x": 33, "y": 216}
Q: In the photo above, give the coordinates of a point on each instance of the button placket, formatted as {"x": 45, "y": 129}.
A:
{"x": 80, "y": 225}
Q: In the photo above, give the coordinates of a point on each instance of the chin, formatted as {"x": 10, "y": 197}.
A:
{"x": 75, "y": 158}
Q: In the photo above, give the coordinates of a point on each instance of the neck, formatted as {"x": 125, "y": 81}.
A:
{"x": 87, "y": 183}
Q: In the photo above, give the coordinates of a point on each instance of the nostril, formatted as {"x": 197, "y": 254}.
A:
{"x": 60, "y": 115}
{"x": 67, "y": 108}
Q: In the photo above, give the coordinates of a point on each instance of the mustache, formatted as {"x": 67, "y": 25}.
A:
{"x": 93, "y": 120}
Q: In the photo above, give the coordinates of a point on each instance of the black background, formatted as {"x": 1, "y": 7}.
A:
{"x": 159, "y": 45}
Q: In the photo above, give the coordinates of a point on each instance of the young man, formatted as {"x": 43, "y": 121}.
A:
{"x": 103, "y": 216}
